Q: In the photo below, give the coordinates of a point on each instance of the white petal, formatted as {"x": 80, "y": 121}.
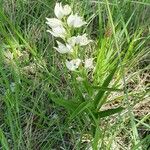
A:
{"x": 58, "y": 32}
{"x": 72, "y": 41}
{"x": 67, "y": 10}
{"x": 75, "y": 21}
{"x": 82, "y": 40}
{"x": 53, "y": 22}
{"x": 69, "y": 48}
{"x": 53, "y": 33}
{"x": 70, "y": 66}
{"x": 89, "y": 63}
{"x": 73, "y": 64}
{"x": 78, "y": 21}
{"x": 63, "y": 48}
{"x": 70, "y": 20}
{"x": 58, "y": 10}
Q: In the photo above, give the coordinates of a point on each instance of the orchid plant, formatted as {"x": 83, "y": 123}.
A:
{"x": 71, "y": 44}
{"x": 61, "y": 27}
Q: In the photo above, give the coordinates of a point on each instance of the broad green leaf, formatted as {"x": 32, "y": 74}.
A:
{"x": 98, "y": 97}
{"x": 68, "y": 104}
{"x": 82, "y": 107}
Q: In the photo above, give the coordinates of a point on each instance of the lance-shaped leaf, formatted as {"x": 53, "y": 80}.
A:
{"x": 110, "y": 112}
{"x": 83, "y": 107}
{"x": 98, "y": 98}
{"x": 69, "y": 105}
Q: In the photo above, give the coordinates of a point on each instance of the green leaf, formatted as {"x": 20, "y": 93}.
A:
{"x": 96, "y": 139}
{"x": 68, "y": 104}
{"x": 109, "y": 112}
{"x": 107, "y": 89}
{"x": 80, "y": 93}
{"x": 82, "y": 107}
{"x": 3, "y": 140}
{"x": 98, "y": 98}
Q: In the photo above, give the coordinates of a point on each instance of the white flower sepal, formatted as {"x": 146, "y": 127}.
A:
{"x": 58, "y": 10}
{"x": 54, "y": 22}
{"x": 72, "y": 41}
{"x": 73, "y": 64}
{"x": 61, "y": 11}
{"x": 82, "y": 40}
{"x": 89, "y": 63}
{"x": 58, "y": 32}
{"x": 75, "y": 21}
{"x": 63, "y": 48}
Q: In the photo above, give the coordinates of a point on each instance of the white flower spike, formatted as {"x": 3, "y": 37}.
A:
{"x": 63, "y": 48}
{"x": 73, "y": 64}
{"x": 89, "y": 63}
{"x": 53, "y": 22}
{"x": 75, "y": 21}
{"x": 58, "y": 32}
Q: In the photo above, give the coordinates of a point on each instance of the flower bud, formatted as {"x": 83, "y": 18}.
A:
{"x": 67, "y": 10}
{"x": 58, "y": 10}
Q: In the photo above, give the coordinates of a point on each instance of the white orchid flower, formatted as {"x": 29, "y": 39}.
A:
{"x": 61, "y": 11}
{"x": 58, "y": 10}
{"x": 73, "y": 64}
{"x": 54, "y": 22}
{"x": 63, "y": 48}
{"x": 88, "y": 64}
{"x": 75, "y": 21}
{"x": 67, "y": 10}
{"x": 58, "y": 32}
{"x": 82, "y": 40}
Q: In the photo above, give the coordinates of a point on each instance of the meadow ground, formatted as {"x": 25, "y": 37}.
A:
{"x": 43, "y": 106}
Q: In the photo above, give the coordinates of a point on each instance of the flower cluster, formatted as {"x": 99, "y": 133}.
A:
{"x": 61, "y": 27}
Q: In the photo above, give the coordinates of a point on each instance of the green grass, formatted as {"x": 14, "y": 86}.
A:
{"x": 47, "y": 108}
